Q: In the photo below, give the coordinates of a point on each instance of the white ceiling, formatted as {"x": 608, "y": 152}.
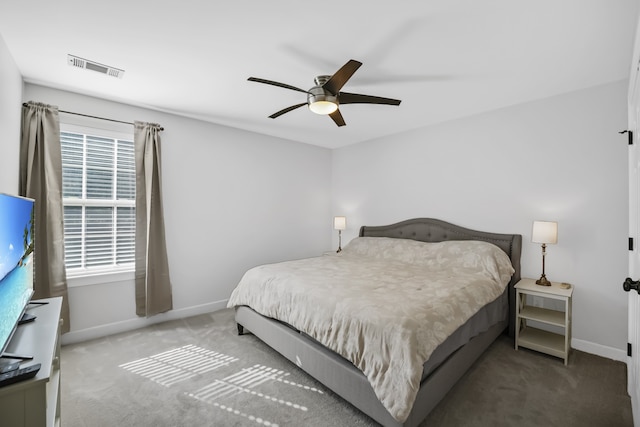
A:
{"x": 444, "y": 59}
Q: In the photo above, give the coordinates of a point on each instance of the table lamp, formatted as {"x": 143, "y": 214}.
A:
{"x": 545, "y": 232}
{"x": 339, "y": 223}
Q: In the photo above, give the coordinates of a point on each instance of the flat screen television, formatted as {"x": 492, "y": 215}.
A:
{"x": 16, "y": 262}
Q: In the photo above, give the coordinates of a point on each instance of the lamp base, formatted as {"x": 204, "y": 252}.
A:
{"x": 542, "y": 281}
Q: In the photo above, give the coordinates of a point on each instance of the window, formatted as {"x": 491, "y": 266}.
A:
{"x": 98, "y": 193}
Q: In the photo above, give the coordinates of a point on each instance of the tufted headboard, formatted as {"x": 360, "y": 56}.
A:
{"x": 435, "y": 230}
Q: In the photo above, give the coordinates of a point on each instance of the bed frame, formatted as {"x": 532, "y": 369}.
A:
{"x": 343, "y": 378}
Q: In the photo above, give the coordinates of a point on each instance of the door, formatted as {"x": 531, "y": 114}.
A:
{"x": 632, "y": 284}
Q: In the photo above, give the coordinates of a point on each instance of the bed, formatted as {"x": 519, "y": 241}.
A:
{"x": 338, "y": 352}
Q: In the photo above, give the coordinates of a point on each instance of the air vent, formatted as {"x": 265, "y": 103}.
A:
{"x": 76, "y": 61}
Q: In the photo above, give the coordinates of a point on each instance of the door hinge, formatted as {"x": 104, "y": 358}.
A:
{"x": 630, "y": 243}
{"x": 629, "y": 349}
{"x": 629, "y": 135}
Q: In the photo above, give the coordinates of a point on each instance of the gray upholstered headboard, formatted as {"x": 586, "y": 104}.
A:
{"x": 435, "y": 230}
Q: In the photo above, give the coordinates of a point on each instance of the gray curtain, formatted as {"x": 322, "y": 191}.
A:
{"x": 41, "y": 180}
{"x": 153, "y": 287}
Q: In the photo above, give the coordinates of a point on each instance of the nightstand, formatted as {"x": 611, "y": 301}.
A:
{"x": 554, "y": 344}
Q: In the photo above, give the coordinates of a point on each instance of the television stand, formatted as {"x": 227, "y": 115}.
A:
{"x": 26, "y": 318}
{"x": 35, "y": 401}
{"x": 38, "y": 303}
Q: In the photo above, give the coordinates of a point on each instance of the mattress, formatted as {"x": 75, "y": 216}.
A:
{"x": 489, "y": 315}
{"x": 386, "y": 305}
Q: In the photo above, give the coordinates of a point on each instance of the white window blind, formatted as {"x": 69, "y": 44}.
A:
{"x": 98, "y": 191}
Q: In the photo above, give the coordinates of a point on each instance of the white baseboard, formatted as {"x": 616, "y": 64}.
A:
{"x": 139, "y": 322}
{"x": 600, "y": 350}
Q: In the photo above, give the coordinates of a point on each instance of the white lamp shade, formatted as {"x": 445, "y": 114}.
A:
{"x": 545, "y": 232}
{"x": 339, "y": 222}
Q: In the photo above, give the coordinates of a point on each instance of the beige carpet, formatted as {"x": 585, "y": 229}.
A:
{"x": 199, "y": 372}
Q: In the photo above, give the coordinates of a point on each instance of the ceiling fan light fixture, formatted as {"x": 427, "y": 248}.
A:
{"x": 323, "y": 107}
{"x": 321, "y": 102}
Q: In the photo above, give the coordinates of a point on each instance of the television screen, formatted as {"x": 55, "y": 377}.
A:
{"x": 16, "y": 262}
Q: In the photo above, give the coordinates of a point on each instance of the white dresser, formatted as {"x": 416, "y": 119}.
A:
{"x": 35, "y": 402}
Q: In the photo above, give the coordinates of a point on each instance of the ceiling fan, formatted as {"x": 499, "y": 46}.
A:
{"x": 325, "y": 96}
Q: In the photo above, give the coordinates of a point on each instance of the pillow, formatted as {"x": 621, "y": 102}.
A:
{"x": 473, "y": 256}
{"x": 404, "y": 250}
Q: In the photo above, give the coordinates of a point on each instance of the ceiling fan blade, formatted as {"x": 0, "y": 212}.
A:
{"x": 271, "y": 82}
{"x": 286, "y": 110}
{"x": 335, "y": 83}
{"x": 356, "y": 98}
{"x": 337, "y": 117}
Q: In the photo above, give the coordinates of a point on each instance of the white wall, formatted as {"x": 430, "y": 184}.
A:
{"x": 558, "y": 159}
{"x": 232, "y": 200}
{"x": 257, "y": 199}
{"x": 10, "y": 101}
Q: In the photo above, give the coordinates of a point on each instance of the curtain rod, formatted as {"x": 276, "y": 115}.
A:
{"x": 93, "y": 117}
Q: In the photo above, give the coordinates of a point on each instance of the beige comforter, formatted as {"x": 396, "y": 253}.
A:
{"x": 384, "y": 304}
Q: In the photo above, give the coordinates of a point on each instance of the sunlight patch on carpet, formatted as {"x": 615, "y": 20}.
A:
{"x": 179, "y": 364}
{"x": 245, "y": 381}
{"x": 257, "y": 420}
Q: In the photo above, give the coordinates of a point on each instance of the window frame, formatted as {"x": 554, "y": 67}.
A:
{"x": 98, "y": 274}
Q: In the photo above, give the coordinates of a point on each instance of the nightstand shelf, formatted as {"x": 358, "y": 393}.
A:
{"x": 534, "y": 338}
{"x": 551, "y": 317}
{"x": 542, "y": 341}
